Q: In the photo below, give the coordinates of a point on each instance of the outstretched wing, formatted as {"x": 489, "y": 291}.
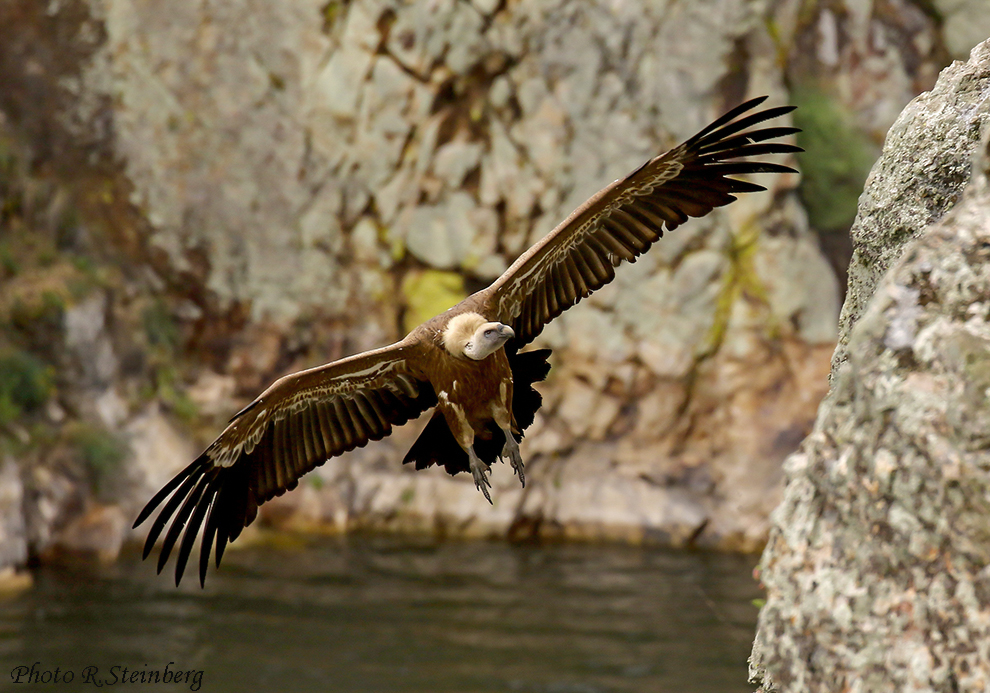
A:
{"x": 622, "y": 221}
{"x": 297, "y": 424}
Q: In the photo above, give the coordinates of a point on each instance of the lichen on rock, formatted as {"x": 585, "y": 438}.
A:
{"x": 876, "y": 570}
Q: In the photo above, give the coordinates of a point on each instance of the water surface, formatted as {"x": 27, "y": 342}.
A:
{"x": 388, "y": 614}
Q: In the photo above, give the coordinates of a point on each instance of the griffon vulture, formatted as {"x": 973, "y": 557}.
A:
{"x": 466, "y": 361}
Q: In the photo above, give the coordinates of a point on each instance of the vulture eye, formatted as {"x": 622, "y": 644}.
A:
{"x": 489, "y": 332}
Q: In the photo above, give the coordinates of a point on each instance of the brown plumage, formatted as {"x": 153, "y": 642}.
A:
{"x": 465, "y": 362}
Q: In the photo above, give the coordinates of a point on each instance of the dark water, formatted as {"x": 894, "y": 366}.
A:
{"x": 384, "y": 614}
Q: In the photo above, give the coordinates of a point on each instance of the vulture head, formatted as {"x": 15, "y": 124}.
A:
{"x": 470, "y": 335}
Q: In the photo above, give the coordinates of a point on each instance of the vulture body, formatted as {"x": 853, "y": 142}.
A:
{"x": 466, "y": 361}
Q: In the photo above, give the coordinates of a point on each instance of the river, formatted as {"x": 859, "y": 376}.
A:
{"x": 393, "y": 614}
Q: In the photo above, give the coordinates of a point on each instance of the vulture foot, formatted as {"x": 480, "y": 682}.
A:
{"x": 511, "y": 450}
{"x": 480, "y": 472}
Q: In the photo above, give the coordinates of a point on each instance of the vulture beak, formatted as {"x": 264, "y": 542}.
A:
{"x": 506, "y": 331}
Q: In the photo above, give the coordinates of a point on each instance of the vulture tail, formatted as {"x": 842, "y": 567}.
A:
{"x": 436, "y": 444}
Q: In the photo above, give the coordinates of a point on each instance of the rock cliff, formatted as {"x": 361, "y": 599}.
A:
{"x": 876, "y": 569}
{"x": 202, "y": 197}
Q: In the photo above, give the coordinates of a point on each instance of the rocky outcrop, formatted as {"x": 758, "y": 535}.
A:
{"x": 876, "y": 569}
{"x": 259, "y": 187}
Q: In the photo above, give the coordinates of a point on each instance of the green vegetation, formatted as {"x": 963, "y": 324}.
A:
{"x": 837, "y": 159}
{"x": 103, "y": 454}
{"x": 9, "y": 266}
{"x": 331, "y": 12}
{"x": 159, "y": 326}
{"x": 26, "y": 383}
{"x": 166, "y": 379}
{"x": 739, "y": 279}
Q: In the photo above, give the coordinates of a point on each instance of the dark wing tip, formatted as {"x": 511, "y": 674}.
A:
{"x": 165, "y": 490}
{"x": 194, "y": 492}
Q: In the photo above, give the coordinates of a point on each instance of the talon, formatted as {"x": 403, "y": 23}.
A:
{"x": 511, "y": 450}
{"x": 479, "y": 471}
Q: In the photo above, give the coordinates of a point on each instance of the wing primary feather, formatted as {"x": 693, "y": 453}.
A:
{"x": 282, "y": 451}
{"x": 577, "y": 279}
{"x": 525, "y": 319}
{"x": 209, "y": 533}
{"x": 754, "y": 136}
{"x": 272, "y": 475}
{"x": 730, "y": 168}
{"x": 167, "y": 489}
{"x": 264, "y": 474}
{"x": 221, "y": 546}
{"x": 232, "y": 506}
{"x": 192, "y": 529}
{"x": 691, "y": 201}
{"x": 163, "y": 517}
{"x": 761, "y": 148}
{"x": 316, "y": 435}
{"x": 744, "y": 186}
{"x": 179, "y": 522}
{"x": 725, "y": 129}
{"x": 333, "y": 418}
{"x": 729, "y": 116}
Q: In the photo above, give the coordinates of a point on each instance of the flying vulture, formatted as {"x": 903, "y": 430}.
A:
{"x": 466, "y": 361}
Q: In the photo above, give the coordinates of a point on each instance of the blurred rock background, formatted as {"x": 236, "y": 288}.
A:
{"x": 198, "y": 197}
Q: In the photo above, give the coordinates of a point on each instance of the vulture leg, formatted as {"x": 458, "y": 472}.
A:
{"x": 511, "y": 449}
{"x": 479, "y": 470}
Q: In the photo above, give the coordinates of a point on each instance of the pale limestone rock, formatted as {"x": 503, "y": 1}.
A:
{"x": 913, "y": 183}
{"x": 212, "y": 393}
{"x": 267, "y": 151}
{"x": 100, "y": 531}
{"x": 801, "y": 288}
{"x": 876, "y": 570}
{"x": 457, "y": 234}
{"x": 338, "y": 87}
{"x": 454, "y": 160}
{"x": 965, "y": 24}
{"x": 158, "y": 450}
{"x": 88, "y": 342}
{"x": 13, "y": 529}
{"x": 586, "y": 411}
{"x": 54, "y": 499}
